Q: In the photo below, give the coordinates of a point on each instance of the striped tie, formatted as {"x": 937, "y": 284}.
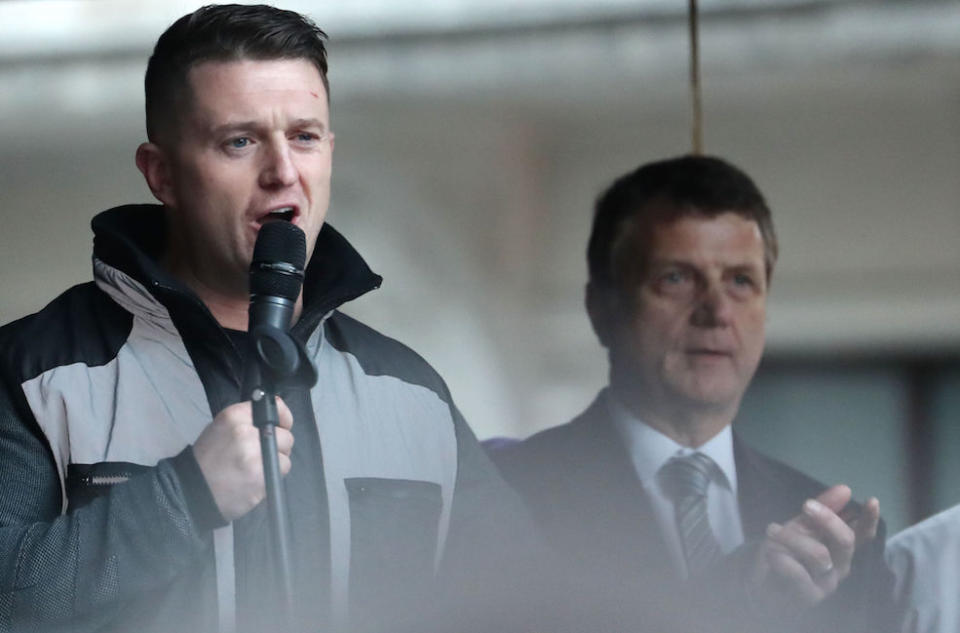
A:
{"x": 685, "y": 480}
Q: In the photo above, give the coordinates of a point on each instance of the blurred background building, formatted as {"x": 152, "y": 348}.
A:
{"x": 472, "y": 139}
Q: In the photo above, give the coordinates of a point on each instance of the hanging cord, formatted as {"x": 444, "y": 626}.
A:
{"x": 697, "y": 131}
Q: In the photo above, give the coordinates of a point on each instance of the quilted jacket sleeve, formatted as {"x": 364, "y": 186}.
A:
{"x": 74, "y": 571}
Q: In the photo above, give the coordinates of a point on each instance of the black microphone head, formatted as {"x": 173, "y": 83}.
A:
{"x": 279, "y": 256}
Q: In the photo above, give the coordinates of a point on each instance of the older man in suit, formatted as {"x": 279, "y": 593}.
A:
{"x": 649, "y": 493}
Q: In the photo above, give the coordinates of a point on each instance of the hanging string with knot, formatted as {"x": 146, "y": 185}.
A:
{"x": 697, "y": 131}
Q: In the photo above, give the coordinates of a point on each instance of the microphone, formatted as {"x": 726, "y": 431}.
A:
{"x": 276, "y": 274}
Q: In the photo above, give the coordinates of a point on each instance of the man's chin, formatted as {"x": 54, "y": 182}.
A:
{"x": 711, "y": 396}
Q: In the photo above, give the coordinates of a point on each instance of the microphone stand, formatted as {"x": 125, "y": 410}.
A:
{"x": 278, "y": 359}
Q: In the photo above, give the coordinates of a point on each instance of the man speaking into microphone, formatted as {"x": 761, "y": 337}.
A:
{"x": 130, "y": 468}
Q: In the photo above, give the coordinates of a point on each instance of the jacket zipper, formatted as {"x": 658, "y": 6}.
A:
{"x": 105, "y": 480}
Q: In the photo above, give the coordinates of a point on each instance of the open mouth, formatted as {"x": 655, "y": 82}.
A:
{"x": 282, "y": 214}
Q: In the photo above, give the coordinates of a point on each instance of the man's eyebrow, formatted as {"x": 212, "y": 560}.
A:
{"x": 308, "y": 122}
{"x": 670, "y": 261}
{"x": 237, "y": 126}
{"x": 240, "y": 126}
{"x": 747, "y": 266}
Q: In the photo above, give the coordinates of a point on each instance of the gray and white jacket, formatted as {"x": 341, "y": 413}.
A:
{"x": 106, "y": 523}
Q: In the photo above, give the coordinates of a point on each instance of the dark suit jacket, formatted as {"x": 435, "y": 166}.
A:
{"x": 580, "y": 484}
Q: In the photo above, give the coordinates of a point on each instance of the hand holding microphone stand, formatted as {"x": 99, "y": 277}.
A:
{"x": 276, "y": 361}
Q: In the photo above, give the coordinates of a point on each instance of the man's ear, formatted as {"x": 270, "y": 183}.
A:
{"x": 154, "y": 164}
{"x": 602, "y": 308}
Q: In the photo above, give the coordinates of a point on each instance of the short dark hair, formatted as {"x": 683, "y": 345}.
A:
{"x": 226, "y": 32}
{"x": 664, "y": 191}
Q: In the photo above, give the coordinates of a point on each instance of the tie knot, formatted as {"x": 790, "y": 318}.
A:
{"x": 686, "y": 477}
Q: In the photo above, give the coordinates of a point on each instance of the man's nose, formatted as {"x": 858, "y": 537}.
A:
{"x": 279, "y": 169}
{"x": 714, "y": 307}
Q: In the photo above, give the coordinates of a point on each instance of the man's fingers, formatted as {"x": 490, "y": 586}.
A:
{"x": 815, "y": 557}
{"x": 804, "y": 560}
{"x": 836, "y": 497}
{"x": 793, "y": 577}
{"x": 865, "y": 525}
{"x": 833, "y": 532}
{"x": 284, "y": 441}
{"x": 228, "y": 452}
{"x": 237, "y": 413}
{"x": 284, "y": 416}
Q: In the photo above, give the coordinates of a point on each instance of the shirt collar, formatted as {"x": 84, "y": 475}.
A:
{"x": 650, "y": 449}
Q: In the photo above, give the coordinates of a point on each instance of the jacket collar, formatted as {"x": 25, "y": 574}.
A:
{"x": 131, "y": 238}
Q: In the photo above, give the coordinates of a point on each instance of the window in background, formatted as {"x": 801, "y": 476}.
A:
{"x": 945, "y": 431}
{"x": 864, "y": 423}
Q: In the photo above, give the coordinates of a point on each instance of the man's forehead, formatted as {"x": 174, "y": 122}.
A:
{"x": 727, "y": 239}
{"x": 218, "y": 88}
{"x": 727, "y": 231}
{"x": 245, "y": 65}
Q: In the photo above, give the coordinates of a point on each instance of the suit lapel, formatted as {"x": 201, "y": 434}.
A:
{"x": 611, "y": 504}
{"x": 765, "y": 494}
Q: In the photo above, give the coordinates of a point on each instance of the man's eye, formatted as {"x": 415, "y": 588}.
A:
{"x": 673, "y": 277}
{"x": 673, "y": 282}
{"x": 239, "y": 142}
{"x": 743, "y": 280}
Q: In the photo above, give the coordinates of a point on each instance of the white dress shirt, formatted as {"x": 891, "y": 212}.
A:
{"x": 650, "y": 449}
{"x": 925, "y": 559}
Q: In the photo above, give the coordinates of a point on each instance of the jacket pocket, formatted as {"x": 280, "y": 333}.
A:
{"x": 86, "y": 482}
{"x": 394, "y": 525}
